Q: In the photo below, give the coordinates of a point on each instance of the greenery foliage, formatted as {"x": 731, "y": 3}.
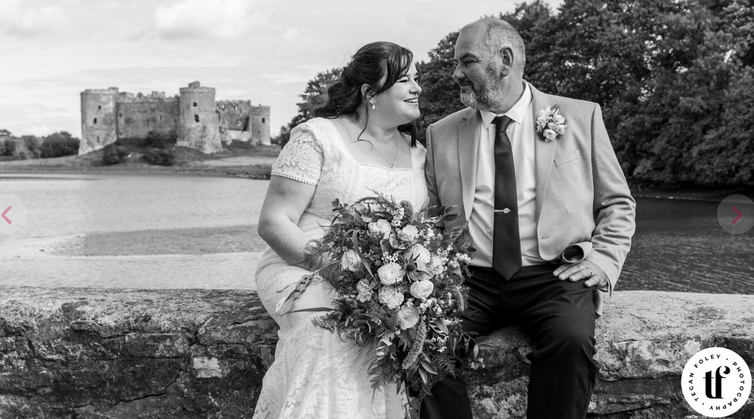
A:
{"x": 314, "y": 96}
{"x": 59, "y": 144}
{"x": 31, "y": 147}
{"x": 160, "y": 157}
{"x": 159, "y": 141}
{"x": 673, "y": 78}
{"x": 114, "y": 154}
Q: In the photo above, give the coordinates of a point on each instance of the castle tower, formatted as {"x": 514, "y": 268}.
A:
{"x": 99, "y": 125}
{"x": 198, "y": 125}
{"x": 260, "y": 124}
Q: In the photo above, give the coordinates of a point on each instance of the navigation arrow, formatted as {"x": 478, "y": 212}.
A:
{"x": 739, "y": 215}
{"x": 4, "y": 217}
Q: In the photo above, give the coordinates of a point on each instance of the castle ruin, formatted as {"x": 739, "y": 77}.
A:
{"x": 194, "y": 117}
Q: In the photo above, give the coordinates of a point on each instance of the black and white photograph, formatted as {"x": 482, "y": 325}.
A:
{"x": 282, "y": 209}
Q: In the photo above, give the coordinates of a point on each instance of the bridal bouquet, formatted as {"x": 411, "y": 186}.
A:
{"x": 399, "y": 278}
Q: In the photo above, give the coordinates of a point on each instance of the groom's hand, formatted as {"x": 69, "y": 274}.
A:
{"x": 584, "y": 270}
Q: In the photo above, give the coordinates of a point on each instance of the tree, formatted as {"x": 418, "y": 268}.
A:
{"x": 440, "y": 92}
{"x": 314, "y": 96}
{"x": 59, "y": 144}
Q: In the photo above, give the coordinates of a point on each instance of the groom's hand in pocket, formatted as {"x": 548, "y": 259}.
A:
{"x": 583, "y": 271}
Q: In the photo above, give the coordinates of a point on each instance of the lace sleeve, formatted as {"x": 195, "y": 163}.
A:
{"x": 301, "y": 159}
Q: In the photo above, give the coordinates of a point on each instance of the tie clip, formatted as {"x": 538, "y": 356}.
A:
{"x": 505, "y": 210}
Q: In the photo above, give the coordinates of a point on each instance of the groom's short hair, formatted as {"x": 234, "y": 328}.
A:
{"x": 501, "y": 34}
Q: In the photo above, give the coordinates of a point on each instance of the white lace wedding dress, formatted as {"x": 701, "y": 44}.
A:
{"x": 316, "y": 375}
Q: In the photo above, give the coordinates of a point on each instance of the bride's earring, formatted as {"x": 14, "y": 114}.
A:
{"x": 372, "y": 105}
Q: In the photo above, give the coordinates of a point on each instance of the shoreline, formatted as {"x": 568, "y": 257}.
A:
{"x": 257, "y": 172}
{"x": 639, "y": 188}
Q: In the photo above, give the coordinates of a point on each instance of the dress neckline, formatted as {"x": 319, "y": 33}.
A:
{"x": 348, "y": 151}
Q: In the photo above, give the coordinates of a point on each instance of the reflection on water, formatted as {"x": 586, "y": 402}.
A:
{"x": 678, "y": 246}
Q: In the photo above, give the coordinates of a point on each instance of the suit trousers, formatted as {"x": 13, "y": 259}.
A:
{"x": 559, "y": 317}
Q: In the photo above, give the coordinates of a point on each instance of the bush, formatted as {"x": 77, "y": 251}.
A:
{"x": 57, "y": 146}
{"x": 114, "y": 154}
{"x": 160, "y": 157}
{"x": 159, "y": 141}
{"x": 33, "y": 147}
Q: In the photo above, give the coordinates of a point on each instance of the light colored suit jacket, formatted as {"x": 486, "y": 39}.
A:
{"x": 582, "y": 198}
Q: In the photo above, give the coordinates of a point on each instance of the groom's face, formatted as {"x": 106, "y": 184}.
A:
{"x": 477, "y": 70}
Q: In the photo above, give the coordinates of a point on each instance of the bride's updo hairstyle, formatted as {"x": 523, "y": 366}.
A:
{"x": 370, "y": 63}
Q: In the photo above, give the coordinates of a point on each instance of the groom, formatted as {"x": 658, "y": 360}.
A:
{"x": 549, "y": 212}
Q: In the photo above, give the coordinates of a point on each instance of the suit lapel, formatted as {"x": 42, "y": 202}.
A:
{"x": 468, "y": 153}
{"x": 544, "y": 152}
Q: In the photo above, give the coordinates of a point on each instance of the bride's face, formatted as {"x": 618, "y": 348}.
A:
{"x": 400, "y": 103}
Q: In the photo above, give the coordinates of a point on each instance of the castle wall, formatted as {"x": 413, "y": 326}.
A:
{"x": 98, "y": 122}
{"x": 136, "y": 119}
{"x": 235, "y": 120}
{"x": 199, "y": 123}
{"x": 194, "y": 117}
{"x": 260, "y": 124}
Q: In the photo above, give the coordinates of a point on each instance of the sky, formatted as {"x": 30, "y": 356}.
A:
{"x": 259, "y": 50}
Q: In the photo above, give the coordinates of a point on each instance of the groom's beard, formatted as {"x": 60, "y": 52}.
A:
{"x": 486, "y": 97}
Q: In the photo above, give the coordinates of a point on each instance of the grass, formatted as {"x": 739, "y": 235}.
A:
{"x": 187, "y": 160}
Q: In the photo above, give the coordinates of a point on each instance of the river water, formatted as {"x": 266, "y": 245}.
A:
{"x": 182, "y": 231}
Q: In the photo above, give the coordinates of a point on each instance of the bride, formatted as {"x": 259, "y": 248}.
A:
{"x": 360, "y": 143}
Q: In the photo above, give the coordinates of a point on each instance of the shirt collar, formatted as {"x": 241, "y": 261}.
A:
{"x": 515, "y": 113}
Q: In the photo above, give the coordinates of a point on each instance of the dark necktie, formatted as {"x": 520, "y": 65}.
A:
{"x": 506, "y": 250}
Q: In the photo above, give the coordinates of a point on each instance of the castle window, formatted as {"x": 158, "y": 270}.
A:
{"x": 196, "y": 118}
{"x": 99, "y": 107}
{"x": 195, "y": 104}
{"x": 263, "y": 120}
{"x": 159, "y": 117}
{"x": 120, "y": 115}
{"x": 95, "y": 121}
{"x": 98, "y": 139}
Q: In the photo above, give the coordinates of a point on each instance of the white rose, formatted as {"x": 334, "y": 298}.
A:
{"x": 559, "y": 119}
{"x": 436, "y": 265}
{"x": 363, "y": 286}
{"x": 408, "y": 317}
{"x": 350, "y": 261}
{"x": 560, "y": 130}
{"x": 390, "y": 297}
{"x": 390, "y": 273}
{"x": 422, "y": 289}
{"x": 409, "y": 233}
{"x": 417, "y": 252}
{"x": 550, "y": 135}
{"x": 364, "y": 297}
{"x": 380, "y": 227}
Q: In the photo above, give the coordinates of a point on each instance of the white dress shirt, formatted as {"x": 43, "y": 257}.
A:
{"x": 522, "y": 135}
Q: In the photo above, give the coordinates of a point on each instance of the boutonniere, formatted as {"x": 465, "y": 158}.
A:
{"x": 550, "y": 123}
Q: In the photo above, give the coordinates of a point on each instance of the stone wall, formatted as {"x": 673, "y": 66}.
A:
{"x": 99, "y": 125}
{"x": 93, "y": 353}
{"x": 136, "y": 119}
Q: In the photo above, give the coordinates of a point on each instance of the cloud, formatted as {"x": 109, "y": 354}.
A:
{"x": 219, "y": 19}
{"x": 19, "y": 20}
{"x": 278, "y": 79}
